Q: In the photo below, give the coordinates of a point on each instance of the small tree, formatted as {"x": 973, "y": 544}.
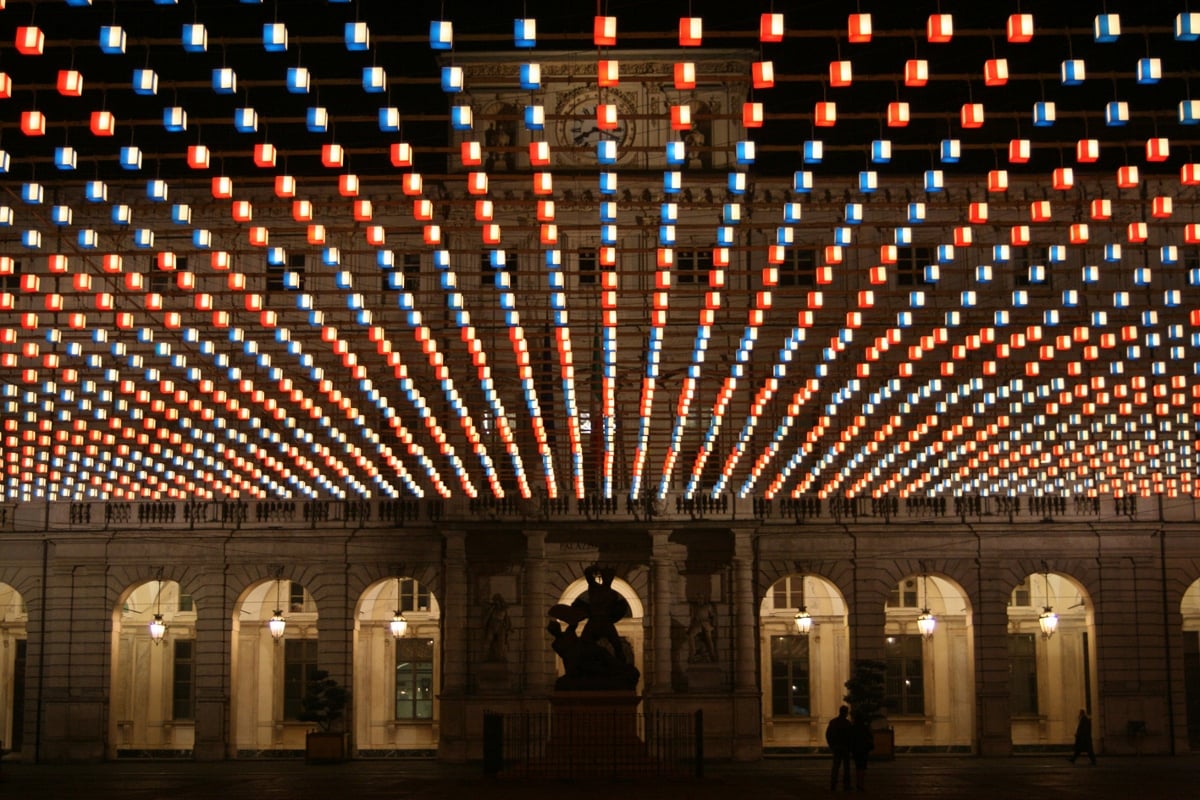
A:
{"x": 324, "y": 701}
{"x": 865, "y": 690}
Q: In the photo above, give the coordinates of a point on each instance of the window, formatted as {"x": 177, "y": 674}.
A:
{"x": 414, "y": 679}
{"x": 295, "y": 596}
{"x": 411, "y": 265}
{"x": 905, "y": 679}
{"x": 186, "y": 603}
{"x": 277, "y": 273}
{"x": 789, "y": 676}
{"x": 904, "y": 595}
{"x": 788, "y": 593}
{"x": 11, "y": 281}
{"x": 692, "y": 266}
{"x": 1022, "y": 673}
{"x": 158, "y": 282}
{"x": 1189, "y": 259}
{"x": 487, "y": 273}
{"x": 413, "y": 596}
{"x": 299, "y": 667}
{"x": 1022, "y": 595}
{"x": 1029, "y": 266}
{"x": 799, "y": 269}
{"x": 183, "y": 679}
{"x": 911, "y": 263}
{"x": 588, "y": 271}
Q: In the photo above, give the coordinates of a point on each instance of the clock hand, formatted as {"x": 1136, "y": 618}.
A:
{"x": 582, "y": 136}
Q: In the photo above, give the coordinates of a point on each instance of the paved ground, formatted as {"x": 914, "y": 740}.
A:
{"x": 926, "y": 777}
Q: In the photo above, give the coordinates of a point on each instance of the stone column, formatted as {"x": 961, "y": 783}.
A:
{"x": 454, "y": 614}
{"x": 747, "y": 698}
{"x": 662, "y": 574}
{"x": 743, "y": 610}
{"x": 534, "y": 605}
{"x": 214, "y": 623}
{"x": 990, "y": 621}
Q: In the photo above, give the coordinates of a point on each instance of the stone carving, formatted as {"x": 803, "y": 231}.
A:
{"x": 702, "y": 632}
{"x": 496, "y": 627}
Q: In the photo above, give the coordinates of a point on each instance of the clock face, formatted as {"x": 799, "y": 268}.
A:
{"x": 579, "y": 130}
{"x": 583, "y": 129}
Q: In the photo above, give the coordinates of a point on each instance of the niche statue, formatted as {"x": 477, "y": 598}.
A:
{"x": 594, "y": 659}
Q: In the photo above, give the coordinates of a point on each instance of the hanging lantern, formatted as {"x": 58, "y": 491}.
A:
{"x": 277, "y": 624}
{"x": 803, "y": 621}
{"x": 398, "y": 625}
{"x": 926, "y": 623}
{"x": 158, "y": 628}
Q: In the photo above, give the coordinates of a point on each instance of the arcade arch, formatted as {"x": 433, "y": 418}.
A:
{"x": 269, "y": 675}
{"x": 802, "y": 674}
{"x": 153, "y": 681}
{"x": 396, "y": 679}
{"x": 14, "y": 623}
{"x": 930, "y": 684}
{"x": 1051, "y": 676}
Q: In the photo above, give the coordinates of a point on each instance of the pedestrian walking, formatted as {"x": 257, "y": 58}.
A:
{"x": 863, "y": 743}
{"x": 1083, "y": 738}
{"x": 839, "y": 735}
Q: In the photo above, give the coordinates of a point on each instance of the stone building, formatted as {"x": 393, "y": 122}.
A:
{"x": 823, "y": 371}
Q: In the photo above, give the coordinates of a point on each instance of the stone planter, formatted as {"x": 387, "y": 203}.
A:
{"x": 325, "y": 747}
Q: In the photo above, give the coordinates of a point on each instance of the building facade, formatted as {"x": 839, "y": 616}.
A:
{"x": 713, "y": 628}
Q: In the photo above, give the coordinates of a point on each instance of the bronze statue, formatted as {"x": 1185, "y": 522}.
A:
{"x": 596, "y": 657}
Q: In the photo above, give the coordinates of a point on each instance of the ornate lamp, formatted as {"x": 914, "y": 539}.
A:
{"x": 1047, "y": 620}
{"x": 399, "y": 624}
{"x": 277, "y": 624}
{"x": 158, "y": 628}
{"x": 926, "y": 621}
{"x": 803, "y": 619}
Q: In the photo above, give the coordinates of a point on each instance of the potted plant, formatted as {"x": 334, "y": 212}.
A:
{"x": 324, "y": 703}
{"x": 865, "y": 692}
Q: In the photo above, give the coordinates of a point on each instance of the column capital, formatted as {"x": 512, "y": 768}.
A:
{"x": 456, "y": 544}
{"x": 743, "y": 542}
{"x": 660, "y": 538}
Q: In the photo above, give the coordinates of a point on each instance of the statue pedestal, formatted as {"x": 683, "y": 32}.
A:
{"x": 492, "y": 677}
{"x": 704, "y": 677}
{"x": 594, "y": 733}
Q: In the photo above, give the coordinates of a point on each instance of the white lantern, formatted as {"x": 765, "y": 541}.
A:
{"x": 926, "y": 623}
{"x": 399, "y": 625}
{"x": 158, "y": 628}
{"x": 277, "y": 624}
{"x": 1048, "y": 621}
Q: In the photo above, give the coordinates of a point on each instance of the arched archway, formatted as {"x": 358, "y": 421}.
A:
{"x": 270, "y": 673}
{"x": 802, "y": 674}
{"x": 14, "y": 623}
{"x": 396, "y": 679}
{"x": 152, "y": 701}
{"x": 630, "y": 629}
{"x": 1190, "y": 609}
{"x": 930, "y": 684}
{"x": 1052, "y": 675}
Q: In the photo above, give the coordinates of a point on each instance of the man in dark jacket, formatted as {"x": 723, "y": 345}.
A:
{"x": 1083, "y": 738}
{"x": 864, "y": 743}
{"x": 839, "y": 735}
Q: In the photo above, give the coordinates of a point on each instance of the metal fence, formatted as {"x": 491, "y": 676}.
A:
{"x": 593, "y": 744}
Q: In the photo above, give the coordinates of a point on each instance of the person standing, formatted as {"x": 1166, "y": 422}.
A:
{"x": 1083, "y": 738}
{"x": 863, "y": 742}
{"x": 839, "y": 735}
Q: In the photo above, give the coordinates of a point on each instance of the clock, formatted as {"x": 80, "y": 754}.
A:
{"x": 578, "y": 131}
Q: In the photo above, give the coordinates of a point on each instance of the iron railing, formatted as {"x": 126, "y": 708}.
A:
{"x": 593, "y": 744}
